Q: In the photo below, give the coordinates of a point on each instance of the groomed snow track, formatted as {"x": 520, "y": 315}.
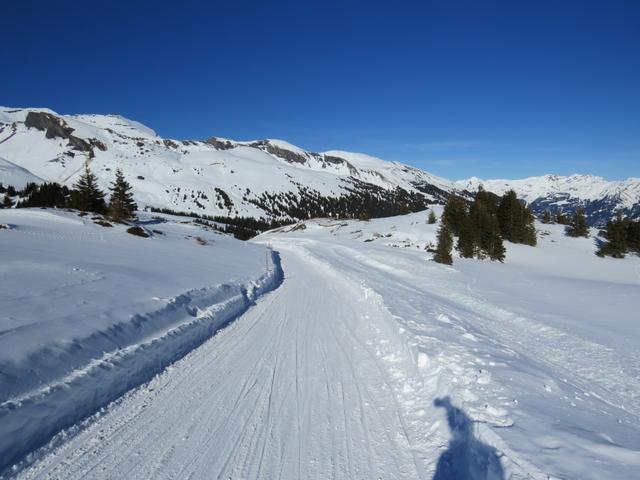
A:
{"x": 163, "y": 337}
{"x": 304, "y": 385}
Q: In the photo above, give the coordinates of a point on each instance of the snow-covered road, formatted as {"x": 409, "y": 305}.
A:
{"x": 292, "y": 389}
{"x": 371, "y": 362}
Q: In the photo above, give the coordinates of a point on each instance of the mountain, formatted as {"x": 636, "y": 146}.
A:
{"x": 553, "y": 193}
{"x": 268, "y": 179}
{"x": 271, "y": 179}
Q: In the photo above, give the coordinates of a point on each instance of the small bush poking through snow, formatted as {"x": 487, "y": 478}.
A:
{"x": 138, "y": 231}
{"x": 102, "y": 223}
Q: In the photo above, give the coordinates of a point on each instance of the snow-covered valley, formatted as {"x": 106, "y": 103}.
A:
{"x": 368, "y": 360}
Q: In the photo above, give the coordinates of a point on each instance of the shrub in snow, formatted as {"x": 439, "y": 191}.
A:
{"x": 138, "y": 231}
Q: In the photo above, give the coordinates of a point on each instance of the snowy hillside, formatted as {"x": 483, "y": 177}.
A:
{"x": 88, "y": 312}
{"x": 266, "y": 178}
{"x": 553, "y": 193}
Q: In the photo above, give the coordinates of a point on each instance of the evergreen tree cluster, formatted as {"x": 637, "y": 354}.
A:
{"x": 362, "y": 200}
{"x": 243, "y": 228}
{"x": 622, "y": 236}
{"x": 45, "y": 195}
{"x": 577, "y": 226}
{"x": 482, "y": 226}
{"x": 85, "y": 196}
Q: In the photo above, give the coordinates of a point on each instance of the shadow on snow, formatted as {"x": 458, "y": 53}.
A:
{"x": 467, "y": 458}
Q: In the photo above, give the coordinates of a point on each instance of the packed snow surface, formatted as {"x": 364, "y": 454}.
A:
{"x": 371, "y": 361}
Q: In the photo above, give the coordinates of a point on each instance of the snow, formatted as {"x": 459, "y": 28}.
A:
{"x": 157, "y": 170}
{"x": 371, "y": 361}
{"x": 582, "y": 187}
{"x": 88, "y": 312}
{"x": 15, "y": 175}
{"x": 245, "y": 171}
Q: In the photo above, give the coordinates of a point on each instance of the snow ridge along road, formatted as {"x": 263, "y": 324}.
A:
{"x": 102, "y": 332}
{"x": 313, "y": 382}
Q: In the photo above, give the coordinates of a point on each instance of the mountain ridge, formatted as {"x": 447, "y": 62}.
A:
{"x": 269, "y": 178}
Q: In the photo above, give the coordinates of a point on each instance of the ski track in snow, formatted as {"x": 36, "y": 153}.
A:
{"x": 290, "y": 390}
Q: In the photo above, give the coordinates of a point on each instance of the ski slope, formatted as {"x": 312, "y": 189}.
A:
{"x": 370, "y": 361}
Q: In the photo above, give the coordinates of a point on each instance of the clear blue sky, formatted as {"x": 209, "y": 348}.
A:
{"x": 460, "y": 88}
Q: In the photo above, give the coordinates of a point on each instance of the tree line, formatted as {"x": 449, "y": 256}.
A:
{"x": 85, "y": 195}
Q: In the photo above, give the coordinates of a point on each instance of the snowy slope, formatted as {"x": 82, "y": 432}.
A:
{"x": 261, "y": 178}
{"x": 214, "y": 177}
{"x": 14, "y": 175}
{"x": 599, "y": 197}
{"x": 370, "y": 361}
{"x": 88, "y": 312}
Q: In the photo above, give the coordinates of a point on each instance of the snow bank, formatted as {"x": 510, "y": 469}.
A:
{"x": 90, "y": 312}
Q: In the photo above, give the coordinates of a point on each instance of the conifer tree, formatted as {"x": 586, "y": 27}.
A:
{"x": 468, "y": 238}
{"x": 546, "y": 217}
{"x": 444, "y": 246}
{"x": 489, "y": 241}
{"x": 516, "y": 220}
{"x": 578, "y": 226}
{"x": 562, "y": 219}
{"x": 121, "y": 204}
{"x": 633, "y": 236}
{"x": 432, "y": 217}
{"x": 86, "y": 196}
{"x": 616, "y": 238}
{"x": 454, "y": 212}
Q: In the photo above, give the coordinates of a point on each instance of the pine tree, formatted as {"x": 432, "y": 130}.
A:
{"x": 546, "y": 217}
{"x": 515, "y": 220}
{"x": 86, "y": 196}
{"x": 468, "y": 238}
{"x": 492, "y": 241}
{"x": 616, "y": 238}
{"x": 432, "y": 217}
{"x": 489, "y": 240}
{"x": 444, "y": 246}
{"x": 121, "y": 204}
{"x": 454, "y": 212}
{"x": 633, "y": 235}
{"x": 578, "y": 226}
{"x": 6, "y": 202}
{"x": 562, "y": 219}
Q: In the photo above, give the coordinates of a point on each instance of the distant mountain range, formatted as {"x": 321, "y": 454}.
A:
{"x": 268, "y": 179}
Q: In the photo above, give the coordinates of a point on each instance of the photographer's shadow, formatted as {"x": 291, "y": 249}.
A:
{"x": 467, "y": 458}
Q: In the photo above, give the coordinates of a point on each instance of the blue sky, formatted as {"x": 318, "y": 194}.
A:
{"x": 460, "y": 88}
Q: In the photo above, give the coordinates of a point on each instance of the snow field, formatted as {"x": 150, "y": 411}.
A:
{"x": 74, "y": 338}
